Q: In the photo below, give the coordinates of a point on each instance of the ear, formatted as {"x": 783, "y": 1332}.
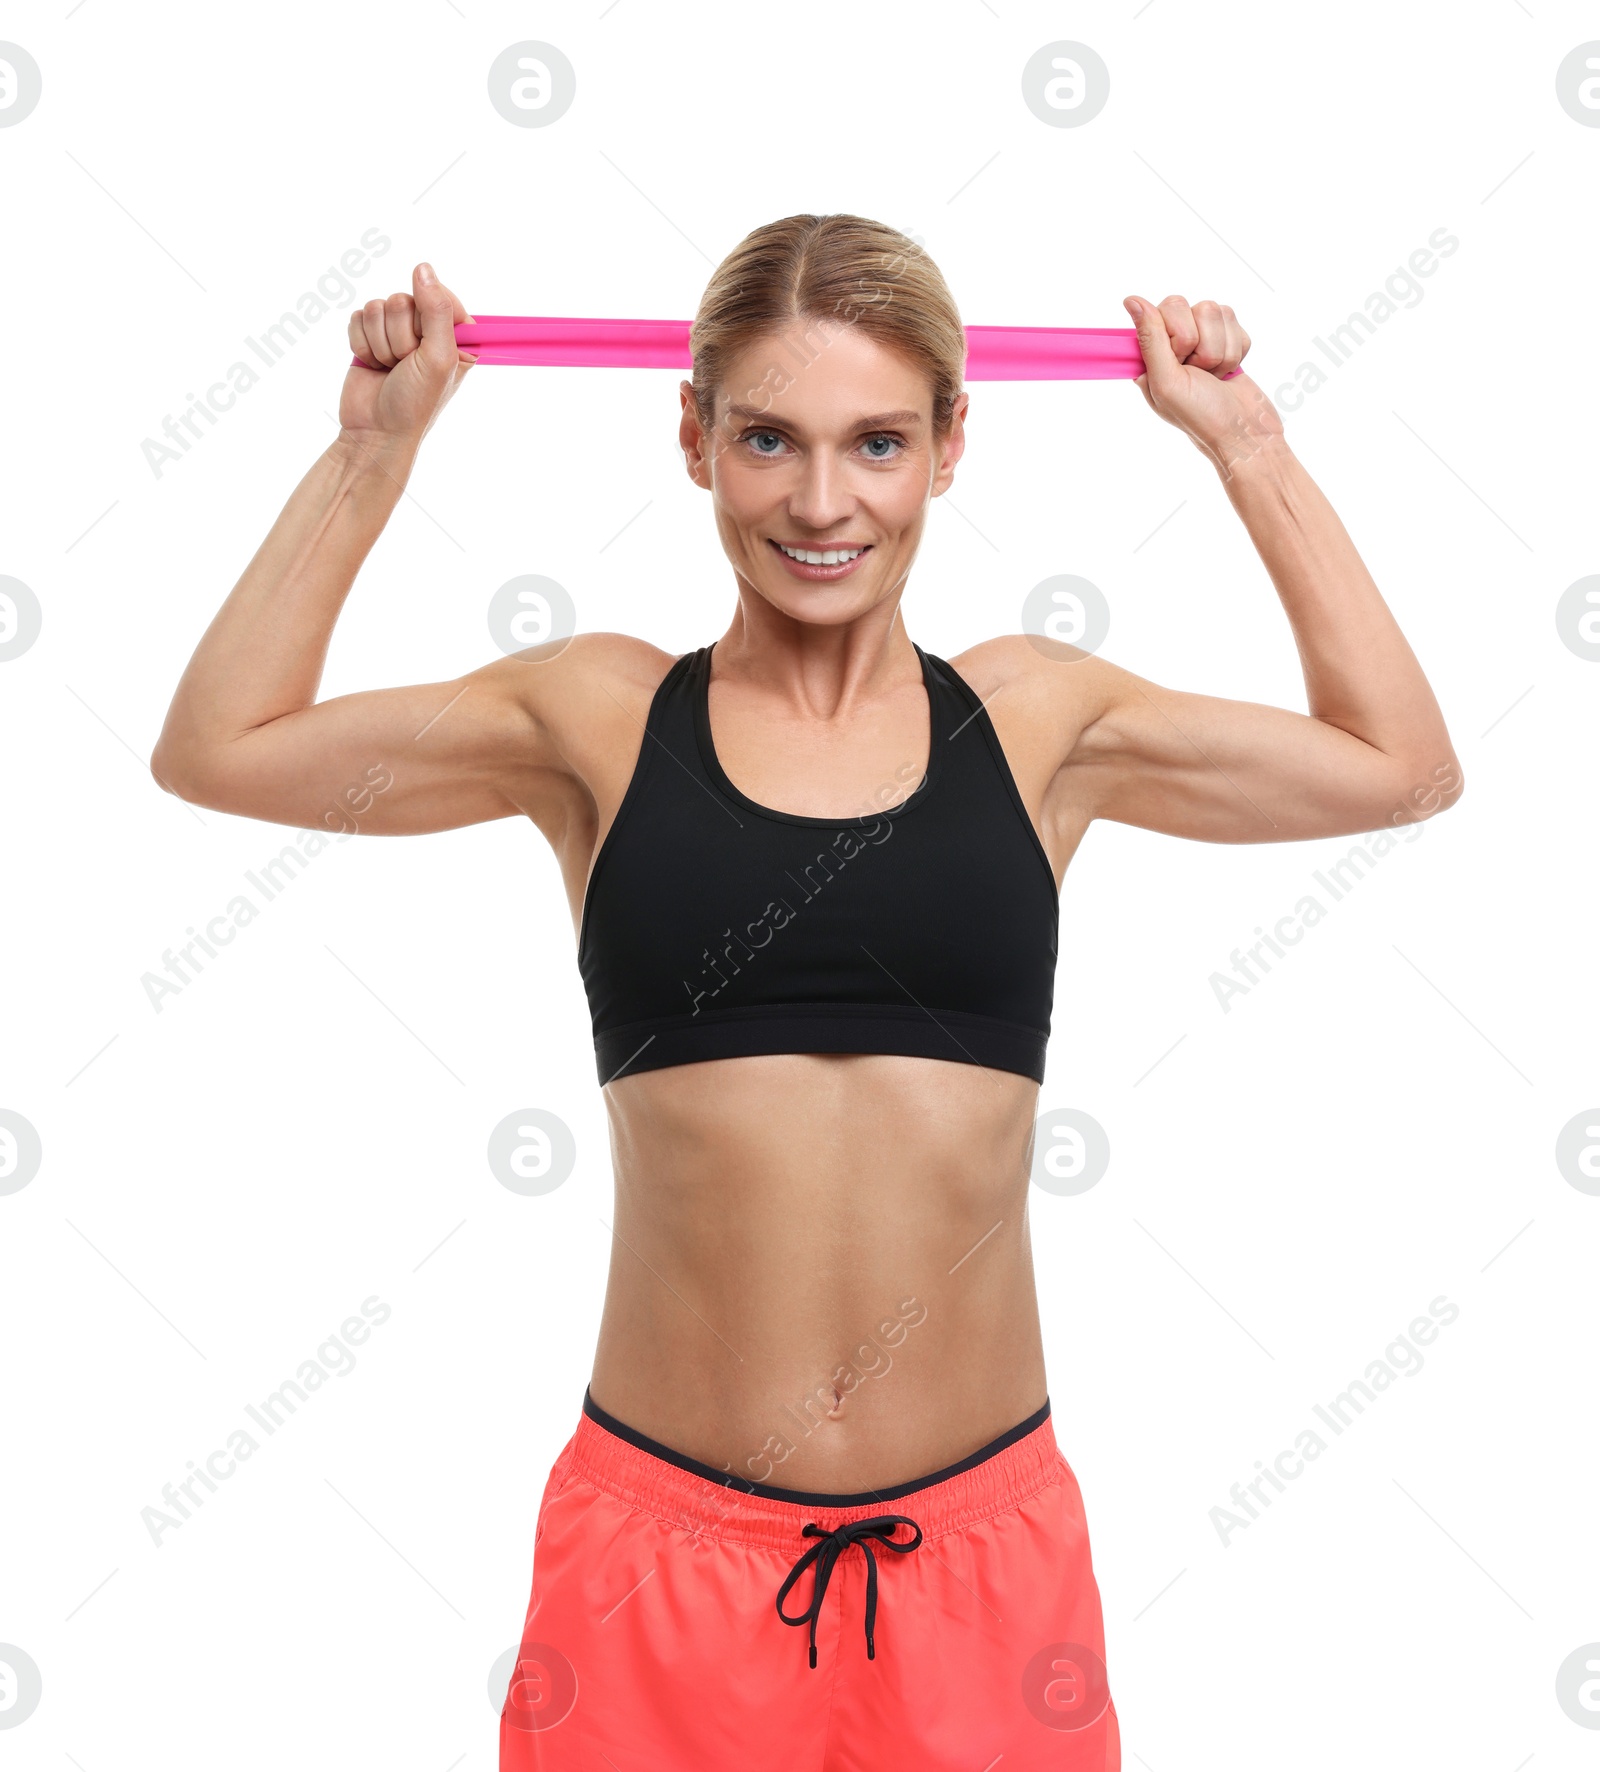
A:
{"x": 692, "y": 438}
{"x": 951, "y": 449}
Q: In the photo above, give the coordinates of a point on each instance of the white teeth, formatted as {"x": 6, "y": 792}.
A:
{"x": 827, "y": 557}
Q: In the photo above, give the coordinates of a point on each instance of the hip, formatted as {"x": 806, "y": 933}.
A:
{"x": 688, "y": 1619}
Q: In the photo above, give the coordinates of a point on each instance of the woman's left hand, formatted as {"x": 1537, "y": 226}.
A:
{"x": 1190, "y": 359}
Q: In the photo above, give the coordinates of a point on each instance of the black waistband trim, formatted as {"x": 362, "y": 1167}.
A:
{"x": 807, "y": 1497}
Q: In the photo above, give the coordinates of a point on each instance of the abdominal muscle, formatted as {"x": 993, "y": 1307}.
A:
{"x": 821, "y": 1275}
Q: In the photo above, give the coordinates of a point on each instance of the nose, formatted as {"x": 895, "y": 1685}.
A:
{"x": 822, "y": 500}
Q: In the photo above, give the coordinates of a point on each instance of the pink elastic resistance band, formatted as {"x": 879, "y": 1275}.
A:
{"x": 994, "y": 353}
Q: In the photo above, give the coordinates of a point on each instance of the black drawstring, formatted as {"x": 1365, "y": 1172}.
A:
{"x": 825, "y": 1554}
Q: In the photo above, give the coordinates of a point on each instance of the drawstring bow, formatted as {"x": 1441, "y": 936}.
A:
{"x": 827, "y": 1552}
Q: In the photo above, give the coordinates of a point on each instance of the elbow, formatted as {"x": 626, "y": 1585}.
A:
{"x": 1434, "y": 788}
{"x": 161, "y": 772}
{"x": 174, "y": 774}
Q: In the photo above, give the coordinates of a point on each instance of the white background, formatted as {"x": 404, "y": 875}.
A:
{"x": 304, "y": 1126}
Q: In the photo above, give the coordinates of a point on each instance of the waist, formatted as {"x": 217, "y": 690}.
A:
{"x": 650, "y": 1475}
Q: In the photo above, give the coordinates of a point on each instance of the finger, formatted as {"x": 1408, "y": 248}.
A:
{"x": 425, "y": 273}
{"x": 1155, "y": 346}
{"x": 1235, "y": 342}
{"x": 1238, "y": 342}
{"x": 1211, "y": 349}
{"x": 358, "y": 340}
{"x": 377, "y": 337}
{"x": 462, "y": 317}
{"x": 439, "y": 313}
{"x": 1237, "y": 346}
{"x": 400, "y": 325}
{"x": 1181, "y": 326}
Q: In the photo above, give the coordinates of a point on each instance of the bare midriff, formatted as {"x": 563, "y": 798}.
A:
{"x": 821, "y": 1275}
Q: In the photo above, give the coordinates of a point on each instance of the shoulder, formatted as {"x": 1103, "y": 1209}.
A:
{"x": 585, "y": 673}
{"x": 566, "y": 705}
{"x": 1042, "y": 680}
{"x": 1009, "y": 660}
{"x": 615, "y": 660}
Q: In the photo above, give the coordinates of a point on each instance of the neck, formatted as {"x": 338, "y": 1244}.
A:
{"x": 824, "y": 667}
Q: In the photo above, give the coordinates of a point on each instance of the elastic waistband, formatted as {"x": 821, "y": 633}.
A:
{"x": 699, "y": 1498}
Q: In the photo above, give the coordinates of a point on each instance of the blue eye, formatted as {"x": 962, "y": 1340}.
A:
{"x": 881, "y": 447}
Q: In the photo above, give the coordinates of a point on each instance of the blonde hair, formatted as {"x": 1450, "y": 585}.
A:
{"x": 840, "y": 269}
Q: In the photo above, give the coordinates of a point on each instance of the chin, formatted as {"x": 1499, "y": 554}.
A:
{"x": 821, "y": 608}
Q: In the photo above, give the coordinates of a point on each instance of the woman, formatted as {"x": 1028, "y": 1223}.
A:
{"x": 816, "y": 873}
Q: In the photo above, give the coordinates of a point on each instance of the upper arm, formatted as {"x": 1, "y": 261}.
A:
{"x": 523, "y": 734}
{"x": 1225, "y": 771}
{"x": 1086, "y": 739}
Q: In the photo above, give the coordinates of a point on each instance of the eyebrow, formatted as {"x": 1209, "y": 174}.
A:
{"x": 876, "y": 421}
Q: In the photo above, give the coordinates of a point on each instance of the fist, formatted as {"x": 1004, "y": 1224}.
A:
{"x": 1192, "y": 377}
{"x": 410, "y": 364}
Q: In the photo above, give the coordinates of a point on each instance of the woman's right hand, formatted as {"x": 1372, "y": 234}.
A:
{"x": 410, "y": 341}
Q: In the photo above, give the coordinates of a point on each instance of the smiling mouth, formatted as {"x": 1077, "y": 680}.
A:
{"x": 834, "y": 556}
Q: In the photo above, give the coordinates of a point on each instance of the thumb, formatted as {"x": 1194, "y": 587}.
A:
{"x": 439, "y": 313}
{"x": 1155, "y": 342}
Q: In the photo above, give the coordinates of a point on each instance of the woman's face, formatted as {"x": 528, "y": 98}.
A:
{"x": 823, "y": 444}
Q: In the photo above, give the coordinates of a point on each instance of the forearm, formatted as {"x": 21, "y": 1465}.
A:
{"x": 1360, "y": 673}
{"x": 263, "y": 654}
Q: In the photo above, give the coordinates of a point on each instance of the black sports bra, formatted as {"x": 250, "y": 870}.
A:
{"x": 717, "y": 928}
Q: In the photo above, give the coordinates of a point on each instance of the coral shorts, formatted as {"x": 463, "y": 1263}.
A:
{"x": 956, "y": 1620}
